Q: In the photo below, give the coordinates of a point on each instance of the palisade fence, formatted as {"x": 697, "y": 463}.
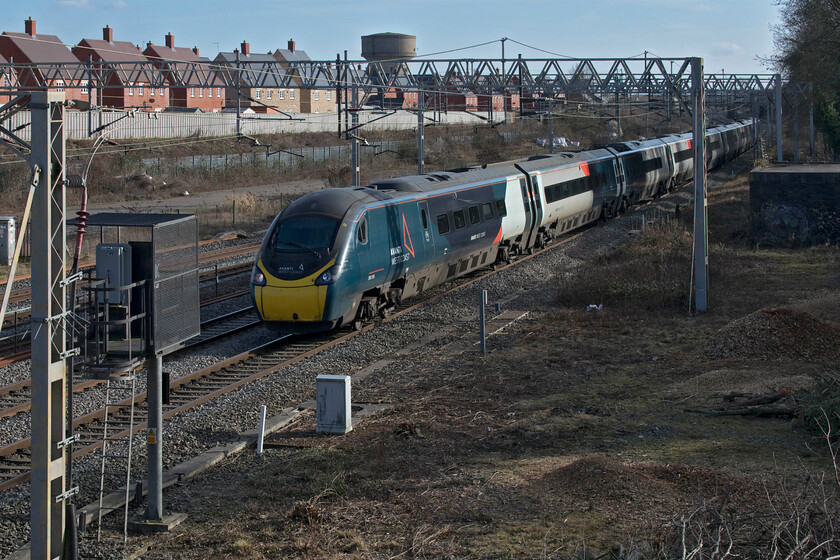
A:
{"x": 146, "y": 125}
{"x": 290, "y": 158}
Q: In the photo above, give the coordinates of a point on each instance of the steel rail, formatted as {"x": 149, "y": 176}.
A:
{"x": 231, "y": 323}
{"x": 208, "y": 257}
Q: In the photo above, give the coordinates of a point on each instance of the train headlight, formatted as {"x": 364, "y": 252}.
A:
{"x": 257, "y": 277}
{"x": 329, "y": 276}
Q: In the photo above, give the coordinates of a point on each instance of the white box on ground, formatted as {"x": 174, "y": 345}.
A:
{"x": 332, "y": 404}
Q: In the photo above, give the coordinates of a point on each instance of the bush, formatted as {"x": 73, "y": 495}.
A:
{"x": 650, "y": 272}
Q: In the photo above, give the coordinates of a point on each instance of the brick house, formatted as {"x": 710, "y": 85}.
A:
{"x": 494, "y": 103}
{"x": 31, "y": 48}
{"x": 260, "y": 82}
{"x": 321, "y": 98}
{"x": 8, "y": 82}
{"x": 127, "y": 86}
{"x": 206, "y": 91}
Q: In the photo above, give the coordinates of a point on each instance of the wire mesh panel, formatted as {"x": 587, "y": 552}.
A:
{"x": 175, "y": 292}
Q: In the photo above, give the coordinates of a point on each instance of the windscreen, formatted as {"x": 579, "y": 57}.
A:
{"x": 305, "y": 233}
{"x": 300, "y": 245}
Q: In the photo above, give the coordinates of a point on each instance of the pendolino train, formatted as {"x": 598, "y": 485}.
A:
{"x": 342, "y": 256}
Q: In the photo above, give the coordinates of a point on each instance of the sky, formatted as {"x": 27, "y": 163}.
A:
{"x": 728, "y": 34}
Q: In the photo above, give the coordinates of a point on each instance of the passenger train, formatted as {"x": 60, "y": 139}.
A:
{"x": 343, "y": 256}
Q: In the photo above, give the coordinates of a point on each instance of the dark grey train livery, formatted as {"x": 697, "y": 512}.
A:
{"x": 345, "y": 255}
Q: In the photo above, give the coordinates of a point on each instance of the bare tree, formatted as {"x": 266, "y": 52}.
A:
{"x": 807, "y": 49}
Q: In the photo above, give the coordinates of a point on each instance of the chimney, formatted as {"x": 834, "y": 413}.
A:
{"x": 108, "y": 33}
{"x": 195, "y": 50}
{"x": 291, "y": 45}
{"x": 170, "y": 40}
{"x": 245, "y": 49}
{"x": 29, "y": 26}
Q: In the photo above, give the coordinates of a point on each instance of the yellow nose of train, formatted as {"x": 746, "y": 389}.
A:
{"x": 290, "y": 300}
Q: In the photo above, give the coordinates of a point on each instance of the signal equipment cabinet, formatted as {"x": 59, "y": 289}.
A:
{"x": 7, "y": 240}
{"x": 152, "y": 293}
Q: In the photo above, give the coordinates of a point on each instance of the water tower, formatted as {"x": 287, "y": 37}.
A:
{"x": 391, "y": 49}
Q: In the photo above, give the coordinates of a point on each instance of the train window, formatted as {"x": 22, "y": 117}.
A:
{"x": 501, "y": 209}
{"x": 423, "y": 217}
{"x": 653, "y": 164}
{"x": 488, "y": 211}
{"x": 683, "y": 155}
{"x": 550, "y": 192}
{"x": 443, "y": 224}
{"x": 458, "y": 217}
{"x": 361, "y": 234}
{"x": 304, "y": 233}
{"x": 475, "y": 215}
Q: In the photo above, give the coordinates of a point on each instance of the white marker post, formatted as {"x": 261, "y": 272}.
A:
{"x": 482, "y": 305}
{"x": 261, "y": 431}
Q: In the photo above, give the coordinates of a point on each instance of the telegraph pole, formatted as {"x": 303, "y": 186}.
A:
{"x": 420, "y": 134}
{"x": 701, "y": 234}
{"x": 779, "y": 155}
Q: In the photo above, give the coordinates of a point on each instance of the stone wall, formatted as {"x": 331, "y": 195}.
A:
{"x": 795, "y": 205}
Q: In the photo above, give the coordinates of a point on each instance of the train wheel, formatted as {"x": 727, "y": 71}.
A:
{"x": 358, "y": 324}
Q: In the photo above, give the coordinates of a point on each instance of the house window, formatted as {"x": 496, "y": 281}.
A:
{"x": 218, "y": 92}
{"x": 281, "y": 93}
{"x": 209, "y": 92}
{"x": 329, "y": 96}
{"x": 317, "y": 95}
{"x": 192, "y": 92}
{"x": 152, "y": 91}
{"x": 291, "y": 94}
{"x": 259, "y": 94}
{"x": 59, "y": 85}
{"x": 84, "y": 85}
{"x": 201, "y": 92}
{"x": 269, "y": 93}
{"x": 140, "y": 89}
{"x": 161, "y": 91}
{"x": 130, "y": 89}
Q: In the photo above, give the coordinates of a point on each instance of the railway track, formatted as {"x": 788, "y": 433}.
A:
{"x": 17, "y": 343}
{"x": 204, "y": 259}
{"x": 16, "y": 398}
{"x": 201, "y": 386}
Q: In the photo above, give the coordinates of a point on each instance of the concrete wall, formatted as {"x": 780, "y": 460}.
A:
{"x": 175, "y": 125}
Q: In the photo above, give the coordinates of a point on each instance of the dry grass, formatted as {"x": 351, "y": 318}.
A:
{"x": 572, "y": 437}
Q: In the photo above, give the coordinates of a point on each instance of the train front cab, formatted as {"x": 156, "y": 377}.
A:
{"x": 301, "y": 266}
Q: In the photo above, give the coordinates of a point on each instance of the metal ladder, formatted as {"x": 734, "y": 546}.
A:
{"x": 125, "y": 385}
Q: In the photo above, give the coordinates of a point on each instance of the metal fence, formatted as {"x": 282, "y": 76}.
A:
{"x": 287, "y": 158}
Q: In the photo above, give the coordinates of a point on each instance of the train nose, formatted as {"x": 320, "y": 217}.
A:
{"x": 292, "y": 304}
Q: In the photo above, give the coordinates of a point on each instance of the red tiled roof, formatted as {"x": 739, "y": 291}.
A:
{"x": 188, "y": 72}
{"x": 118, "y": 51}
{"x": 40, "y": 48}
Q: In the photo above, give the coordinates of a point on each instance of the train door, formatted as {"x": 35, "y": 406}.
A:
{"x": 426, "y": 245}
{"x": 533, "y": 210}
{"x": 621, "y": 187}
{"x": 527, "y": 204}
